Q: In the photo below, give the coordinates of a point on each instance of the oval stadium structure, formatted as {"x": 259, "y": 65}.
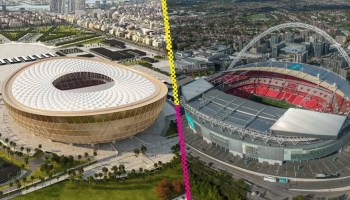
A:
{"x": 273, "y": 112}
{"x": 83, "y": 101}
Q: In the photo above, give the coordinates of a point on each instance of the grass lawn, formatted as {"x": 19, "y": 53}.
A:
{"x": 67, "y": 29}
{"x": 8, "y": 158}
{"x": 133, "y": 189}
{"x": 271, "y": 102}
{"x": 87, "y": 42}
{"x": 43, "y": 29}
{"x": 56, "y": 167}
{"x": 131, "y": 63}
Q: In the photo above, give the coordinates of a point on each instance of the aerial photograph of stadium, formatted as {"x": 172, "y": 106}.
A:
{"x": 86, "y": 102}
{"x": 265, "y": 97}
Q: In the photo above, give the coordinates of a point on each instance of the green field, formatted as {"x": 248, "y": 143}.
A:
{"x": 88, "y": 42}
{"x": 133, "y": 189}
{"x": 271, "y": 102}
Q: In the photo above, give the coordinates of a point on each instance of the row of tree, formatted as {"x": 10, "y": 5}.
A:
{"x": 142, "y": 150}
{"x": 210, "y": 184}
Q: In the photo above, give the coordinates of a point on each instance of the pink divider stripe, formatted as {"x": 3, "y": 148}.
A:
{"x": 183, "y": 152}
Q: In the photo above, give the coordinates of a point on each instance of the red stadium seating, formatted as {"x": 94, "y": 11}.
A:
{"x": 288, "y": 88}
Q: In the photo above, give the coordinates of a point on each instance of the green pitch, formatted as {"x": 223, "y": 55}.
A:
{"x": 271, "y": 102}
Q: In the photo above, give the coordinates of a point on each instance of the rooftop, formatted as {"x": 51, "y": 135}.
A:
{"x": 306, "y": 123}
{"x": 33, "y": 86}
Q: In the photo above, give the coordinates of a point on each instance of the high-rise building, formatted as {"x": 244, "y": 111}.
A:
{"x": 335, "y": 63}
{"x": 79, "y": 4}
{"x": 71, "y": 6}
{"x": 58, "y": 6}
{"x": 276, "y": 49}
{"x": 319, "y": 49}
{"x": 289, "y": 37}
{"x": 301, "y": 57}
{"x": 53, "y": 5}
{"x": 63, "y": 6}
{"x": 98, "y": 4}
{"x": 305, "y": 35}
{"x": 326, "y": 48}
{"x": 274, "y": 40}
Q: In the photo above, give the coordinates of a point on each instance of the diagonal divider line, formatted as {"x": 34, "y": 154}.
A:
{"x": 176, "y": 98}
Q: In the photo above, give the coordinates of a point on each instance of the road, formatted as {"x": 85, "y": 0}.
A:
{"x": 318, "y": 187}
{"x": 276, "y": 190}
{"x": 47, "y": 183}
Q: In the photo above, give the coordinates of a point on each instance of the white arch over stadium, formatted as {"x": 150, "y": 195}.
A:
{"x": 291, "y": 25}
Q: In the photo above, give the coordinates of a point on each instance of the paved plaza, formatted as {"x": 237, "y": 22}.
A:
{"x": 121, "y": 152}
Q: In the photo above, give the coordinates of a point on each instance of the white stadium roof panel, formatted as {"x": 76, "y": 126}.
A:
{"x": 306, "y": 123}
{"x": 33, "y": 86}
{"x": 195, "y": 88}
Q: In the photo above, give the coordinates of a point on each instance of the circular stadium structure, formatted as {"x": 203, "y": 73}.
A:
{"x": 273, "y": 112}
{"x": 83, "y": 101}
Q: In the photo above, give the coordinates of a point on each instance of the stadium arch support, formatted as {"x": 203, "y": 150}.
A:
{"x": 291, "y": 25}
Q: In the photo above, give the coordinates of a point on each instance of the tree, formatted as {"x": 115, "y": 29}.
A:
{"x": 163, "y": 189}
{"x": 160, "y": 163}
{"x": 26, "y": 160}
{"x": 137, "y": 152}
{"x": 104, "y": 170}
{"x": 91, "y": 179}
{"x": 95, "y": 153}
{"x": 41, "y": 180}
{"x": 32, "y": 178}
{"x": 114, "y": 168}
{"x": 86, "y": 155}
{"x": 50, "y": 176}
{"x": 24, "y": 180}
{"x": 178, "y": 186}
{"x": 143, "y": 149}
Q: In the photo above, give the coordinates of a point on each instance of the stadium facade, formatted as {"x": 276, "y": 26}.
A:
{"x": 223, "y": 110}
{"x": 83, "y": 101}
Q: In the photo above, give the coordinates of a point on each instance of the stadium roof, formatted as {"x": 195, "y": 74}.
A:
{"x": 306, "y": 123}
{"x": 235, "y": 110}
{"x": 195, "y": 88}
{"x": 255, "y": 116}
{"x": 324, "y": 74}
{"x": 32, "y": 86}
